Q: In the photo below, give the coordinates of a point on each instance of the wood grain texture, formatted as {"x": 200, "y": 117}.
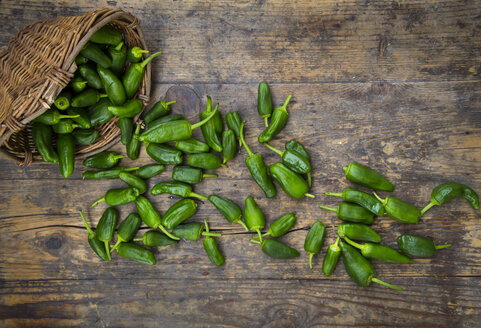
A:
{"x": 394, "y": 85}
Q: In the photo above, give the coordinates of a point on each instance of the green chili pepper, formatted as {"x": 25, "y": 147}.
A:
{"x": 112, "y": 173}
{"x": 127, "y": 229}
{"x": 150, "y": 216}
{"x": 178, "y": 213}
{"x": 126, "y": 126}
{"x": 99, "y": 113}
{"x": 79, "y": 60}
{"x": 212, "y": 249}
{"x": 281, "y": 226}
{"x": 169, "y": 118}
{"x": 292, "y": 183}
{"x": 94, "y": 53}
{"x": 399, "y": 210}
{"x": 85, "y": 137}
{"x": 133, "y": 147}
{"x": 103, "y": 160}
{"x": 107, "y": 34}
{"x": 94, "y": 242}
{"x": 191, "y": 146}
{"x": 149, "y": 171}
{"x": 63, "y": 100}
{"x": 264, "y": 102}
{"x": 120, "y": 196}
{"x": 380, "y": 253}
{"x": 42, "y": 137}
{"x": 64, "y": 126}
{"x": 449, "y": 190}
{"x": 192, "y": 231}
{"x": 314, "y": 240}
{"x": 278, "y": 250}
{"x": 137, "y": 253}
{"x": 366, "y": 200}
{"x": 134, "y": 75}
{"x": 189, "y": 174}
{"x": 257, "y": 168}
{"x": 153, "y": 238}
{"x": 359, "y": 269}
{"x": 278, "y": 122}
{"x": 133, "y": 181}
{"x": 230, "y": 210}
{"x": 51, "y": 117}
{"x": 207, "y": 161}
{"x": 210, "y": 130}
{"x": 114, "y": 88}
{"x": 83, "y": 119}
{"x": 129, "y": 109}
{"x": 255, "y": 219}
{"x": 77, "y": 84}
{"x": 358, "y": 231}
{"x": 89, "y": 73}
{"x": 367, "y": 177}
{"x": 66, "y": 154}
{"x": 160, "y": 109}
{"x": 164, "y": 154}
{"x": 86, "y": 98}
{"x": 180, "y": 189}
{"x": 418, "y": 246}
{"x": 106, "y": 227}
{"x": 293, "y": 160}
{"x": 298, "y": 148}
{"x": 331, "y": 258}
{"x": 352, "y": 213}
{"x": 234, "y": 121}
{"x": 229, "y": 145}
{"x": 118, "y": 54}
{"x": 135, "y": 54}
{"x": 172, "y": 131}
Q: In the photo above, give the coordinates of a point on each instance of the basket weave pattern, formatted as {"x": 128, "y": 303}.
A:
{"x": 39, "y": 62}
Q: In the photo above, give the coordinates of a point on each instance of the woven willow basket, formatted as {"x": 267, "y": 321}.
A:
{"x": 39, "y": 62}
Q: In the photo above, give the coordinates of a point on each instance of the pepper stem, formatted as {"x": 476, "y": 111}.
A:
{"x": 107, "y": 250}
{"x": 353, "y": 243}
{"x": 223, "y": 165}
{"x": 309, "y": 195}
{"x": 206, "y": 226}
{"x": 266, "y": 122}
{"x": 148, "y": 59}
{"x": 193, "y": 194}
{"x": 328, "y": 208}
{"x": 171, "y": 236}
{"x": 424, "y": 210}
{"x": 337, "y": 194}
{"x": 344, "y": 168}
{"x": 138, "y": 239}
{"x": 243, "y": 224}
{"x": 211, "y": 234}
{"x": 116, "y": 157}
{"x": 68, "y": 116}
{"x": 260, "y": 235}
{"x": 205, "y": 120}
{"x": 385, "y": 284}
{"x": 309, "y": 179}
{"x": 337, "y": 241}
{"x": 209, "y": 175}
{"x": 383, "y": 201}
{"x": 287, "y": 101}
{"x": 117, "y": 244}
{"x": 90, "y": 231}
{"x": 208, "y": 107}
{"x": 100, "y": 200}
{"x": 280, "y": 153}
{"x": 263, "y": 235}
{"x": 119, "y": 46}
{"x": 243, "y": 141}
{"x": 310, "y": 260}
{"x": 255, "y": 241}
{"x": 443, "y": 246}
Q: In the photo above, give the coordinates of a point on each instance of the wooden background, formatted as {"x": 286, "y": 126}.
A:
{"x": 392, "y": 84}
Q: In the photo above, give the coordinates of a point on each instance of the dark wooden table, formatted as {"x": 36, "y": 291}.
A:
{"x": 391, "y": 84}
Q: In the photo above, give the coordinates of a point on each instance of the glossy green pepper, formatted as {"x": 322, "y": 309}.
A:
{"x": 230, "y": 210}
{"x": 380, "y": 253}
{"x": 189, "y": 174}
{"x": 118, "y": 196}
{"x": 89, "y": 73}
{"x": 62, "y": 101}
{"x": 133, "y": 181}
{"x": 358, "y": 231}
{"x": 369, "y": 202}
{"x": 82, "y": 119}
{"x": 136, "y": 253}
{"x": 135, "y": 54}
{"x": 133, "y": 146}
{"x": 358, "y": 268}
{"x": 85, "y": 137}
{"x": 126, "y": 126}
{"x": 293, "y": 160}
{"x": 254, "y": 217}
{"x": 64, "y": 126}
{"x": 314, "y": 240}
{"x": 418, "y": 246}
{"x": 207, "y": 161}
{"x": 107, "y": 34}
{"x": 298, "y": 148}
{"x": 212, "y": 249}
{"x": 77, "y": 84}
{"x": 150, "y": 216}
{"x": 280, "y": 226}
{"x": 99, "y": 113}
{"x": 131, "y": 108}
{"x": 258, "y": 168}
{"x": 134, "y": 75}
{"x": 79, "y": 60}
{"x": 103, "y": 160}
{"x": 234, "y": 121}
{"x": 94, "y": 242}
{"x": 399, "y": 210}
{"x": 445, "y": 192}
{"x": 164, "y": 119}
{"x": 66, "y": 154}
{"x": 278, "y": 122}
{"x": 87, "y": 98}
{"x": 51, "y": 117}
{"x": 150, "y": 170}
{"x": 352, "y": 213}
{"x": 106, "y": 227}
{"x": 367, "y": 177}
{"x": 112, "y": 173}
{"x": 127, "y": 229}
{"x": 331, "y": 258}
{"x": 292, "y": 183}
{"x": 118, "y": 55}
{"x": 164, "y": 154}
{"x": 94, "y": 53}
{"x": 192, "y": 231}
{"x": 210, "y": 130}
{"x": 264, "y": 102}
{"x": 278, "y": 250}
{"x": 154, "y": 238}
{"x": 191, "y": 146}
{"x": 176, "y": 188}
{"x": 229, "y": 145}
{"x": 178, "y": 213}
{"x": 160, "y": 109}
{"x": 42, "y": 137}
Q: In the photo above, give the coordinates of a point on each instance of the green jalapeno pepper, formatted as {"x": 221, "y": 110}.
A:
{"x": 51, "y": 117}
{"x": 64, "y": 126}
{"x": 134, "y": 75}
{"x": 150, "y": 216}
{"x": 258, "y": 168}
{"x": 234, "y": 121}
{"x": 42, "y": 137}
{"x": 445, "y": 192}
{"x": 292, "y": 183}
{"x": 280, "y": 226}
{"x": 207, "y": 161}
{"x": 106, "y": 227}
{"x": 89, "y": 73}
{"x": 150, "y": 170}
{"x": 137, "y": 253}
{"x": 191, "y": 175}
{"x": 79, "y": 60}
{"x": 85, "y": 137}
{"x": 230, "y": 210}
{"x": 278, "y": 122}
{"x": 127, "y": 229}
{"x": 114, "y": 88}
{"x": 210, "y": 130}
{"x": 99, "y": 113}
{"x": 314, "y": 240}
{"x": 77, "y": 84}
{"x": 164, "y": 154}
{"x": 164, "y": 119}
{"x": 112, "y": 173}
{"x": 62, "y": 101}
{"x": 66, "y": 154}
{"x": 135, "y": 54}
{"x": 176, "y": 188}
{"x": 118, "y": 55}
{"x": 131, "y": 108}
{"x": 154, "y": 238}
{"x": 358, "y": 268}
{"x": 399, "y": 210}
{"x": 107, "y": 34}
{"x": 94, "y": 53}
{"x": 160, "y": 109}
{"x": 86, "y": 98}
{"x": 367, "y": 177}
{"x": 192, "y": 231}
{"x": 229, "y": 145}
{"x": 364, "y": 199}
{"x": 192, "y": 146}
{"x": 212, "y": 249}
{"x": 126, "y": 126}
{"x": 253, "y": 216}
{"x": 264, "y": 102}
{"x": 293, "y": 160}
{"x": 331, "y": 258}
{"x": 103, "y": 160}
{"x": 178, "y": 213}
{"x": 418, "y": 246}
{"x": 133, "y": 181}
{"x": 358, "y": 231}
{"x": 352, "y": 213}
{"x": 380, "y": 253}
{"x": 97, "y": 246}
{"x": 297, "y": 147}
{"x": 133, "y": 147}
{"x": 119, "y": 196}
{"x": 82, "y": 119}
{"x": 278, "y": 250}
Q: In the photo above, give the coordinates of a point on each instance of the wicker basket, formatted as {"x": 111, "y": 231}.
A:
{"x": 39, "y": 62}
